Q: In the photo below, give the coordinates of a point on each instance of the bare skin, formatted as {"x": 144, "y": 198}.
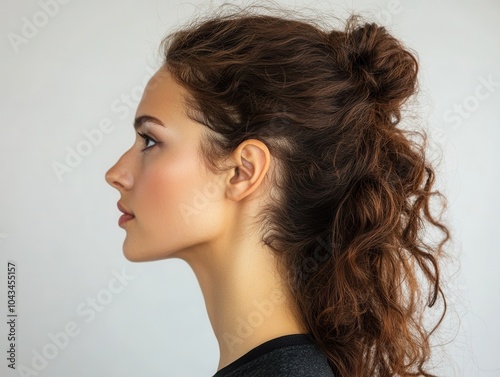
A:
{"x": 182, "y": 210}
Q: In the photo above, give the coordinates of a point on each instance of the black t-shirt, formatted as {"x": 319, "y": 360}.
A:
{"x": 287, "y": 356}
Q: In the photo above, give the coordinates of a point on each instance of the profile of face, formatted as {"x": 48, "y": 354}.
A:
{"x": 176, "y": 204}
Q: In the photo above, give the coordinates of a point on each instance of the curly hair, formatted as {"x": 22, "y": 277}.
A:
{"x": 354, "y": 187}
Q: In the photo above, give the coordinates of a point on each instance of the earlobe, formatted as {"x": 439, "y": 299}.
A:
{"x": 252, "y": 159}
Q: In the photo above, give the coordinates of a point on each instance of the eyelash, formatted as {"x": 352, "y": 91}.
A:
{"x": 146, "y": 138}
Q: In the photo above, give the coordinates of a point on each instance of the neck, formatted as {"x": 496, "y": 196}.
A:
{"x": 246, "y": 299}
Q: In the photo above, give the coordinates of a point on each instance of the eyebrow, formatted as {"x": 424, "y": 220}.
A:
{"x": 139, "y": 121}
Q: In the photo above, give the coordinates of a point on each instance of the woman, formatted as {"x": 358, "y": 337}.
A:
{"x": 269, "y": 156}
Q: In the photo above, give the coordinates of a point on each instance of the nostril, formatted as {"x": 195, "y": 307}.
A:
{"x": 112, "y": 177}
{"x": 119, "y": 178}
{"x": 119, "y": 175}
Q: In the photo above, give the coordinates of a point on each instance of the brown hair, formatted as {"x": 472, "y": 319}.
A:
{"x": 355, "y": 187}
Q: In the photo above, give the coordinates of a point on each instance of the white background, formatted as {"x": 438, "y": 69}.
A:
{"x": 74, "y": 71}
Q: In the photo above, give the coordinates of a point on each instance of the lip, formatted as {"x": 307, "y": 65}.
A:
{"x": 126, "y": 217}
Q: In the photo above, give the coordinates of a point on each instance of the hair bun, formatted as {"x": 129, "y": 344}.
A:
{"x": 380, "y": 65}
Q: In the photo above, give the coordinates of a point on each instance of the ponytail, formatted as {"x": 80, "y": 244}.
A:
{"x": 354, "y": 189}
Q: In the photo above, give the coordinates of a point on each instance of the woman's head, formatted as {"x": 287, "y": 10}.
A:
{"x": 346, "y": 190}
{"x": 177, "y": 204}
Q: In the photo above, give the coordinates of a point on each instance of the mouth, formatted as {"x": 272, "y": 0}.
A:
{"x": 126, "y": 217}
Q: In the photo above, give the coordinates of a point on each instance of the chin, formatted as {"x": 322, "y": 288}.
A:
{"x": 133, "y": 256}
{"x": 134, "y": 253}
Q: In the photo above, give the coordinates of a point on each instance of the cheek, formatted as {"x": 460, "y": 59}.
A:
{"x": 165, "y": 186}
{"x": 179, "y": 195}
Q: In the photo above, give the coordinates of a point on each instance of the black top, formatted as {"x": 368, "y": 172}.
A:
{"x": 286, "y": 356}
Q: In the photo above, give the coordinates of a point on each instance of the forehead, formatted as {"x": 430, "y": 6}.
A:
{"x": 162, "y": 96}
{"x": 164, "y": 99}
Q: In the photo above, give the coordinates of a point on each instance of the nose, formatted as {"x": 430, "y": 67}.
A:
{"x": 119, "y": 175}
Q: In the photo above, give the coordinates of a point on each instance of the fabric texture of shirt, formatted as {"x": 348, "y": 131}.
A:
{"x": 293, "y": 355}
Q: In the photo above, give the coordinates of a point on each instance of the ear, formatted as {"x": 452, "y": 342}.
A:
{"x": 252, "y": 159}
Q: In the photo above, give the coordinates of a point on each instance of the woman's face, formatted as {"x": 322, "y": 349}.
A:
{"x": 176, "y": 203}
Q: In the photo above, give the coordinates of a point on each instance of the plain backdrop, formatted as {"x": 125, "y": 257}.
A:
{"x": 82, "y": 65}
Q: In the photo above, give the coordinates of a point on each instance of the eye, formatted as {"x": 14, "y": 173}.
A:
{"x": 147, "y": 141}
